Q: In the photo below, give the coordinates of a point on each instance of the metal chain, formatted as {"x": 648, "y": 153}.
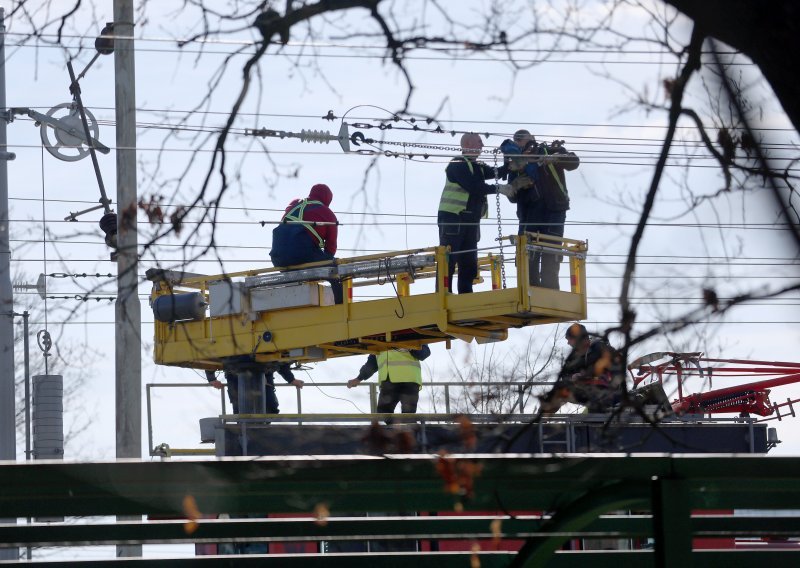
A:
{"x": 444, "y": 148}
{"x": 80, "y": 275}
{"x": 499, "y": 220}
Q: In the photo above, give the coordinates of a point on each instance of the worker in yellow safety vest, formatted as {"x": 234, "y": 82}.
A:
{"x": 461, "y": 207}
{"x": 400, "y": 376}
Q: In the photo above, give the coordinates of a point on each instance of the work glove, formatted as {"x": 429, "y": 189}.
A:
{"x": 508, "y": 190}
{"x": 520, "y": 183}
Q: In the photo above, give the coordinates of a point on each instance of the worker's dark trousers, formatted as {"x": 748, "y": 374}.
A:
{"x": 543, "y": 267}
{"x": 301, "y": 251}
{"x": 407, "y": 394}
{"x": 258, "y": 396}
{"x": 463, "y": 243}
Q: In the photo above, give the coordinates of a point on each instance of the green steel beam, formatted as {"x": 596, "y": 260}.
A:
{"x": 367, "y": 528}
{"x": 292, "y": 530}
{"x": 572, "y": 517}
{"x": 595, "y": 559}
{"x": 389, "y": 484}
{"x": 671, "y": 514}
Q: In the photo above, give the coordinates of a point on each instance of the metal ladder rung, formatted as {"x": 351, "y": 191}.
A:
{"x": 566, "y": 442}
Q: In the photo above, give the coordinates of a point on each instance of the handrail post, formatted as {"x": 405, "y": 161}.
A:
{"x": 299, "y": 404}
{"x": 373, "y": 399}
{"x": 523, "y": 271}
{"x": 347, "y": 287}
{"x": 149, "y": 422}
{"x": 495, "y": 266}
{"x": 404, "y": 284}
{"x": 447, "y": 398}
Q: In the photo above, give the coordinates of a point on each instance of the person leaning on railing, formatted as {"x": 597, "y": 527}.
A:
{"x": 252, "y": 386}
{"x": 400, "y": 376}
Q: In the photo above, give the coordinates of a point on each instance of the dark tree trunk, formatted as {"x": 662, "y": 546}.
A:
{"x": 767, "y": 31}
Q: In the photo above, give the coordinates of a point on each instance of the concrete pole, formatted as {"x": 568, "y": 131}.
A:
{"x": 8, "y": 430}
{"x": 128, "y": 310}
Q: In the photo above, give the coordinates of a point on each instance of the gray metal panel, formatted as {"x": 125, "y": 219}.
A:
{"x": 294, "y": 296}
{"x": 208, "y": 428}
{"x": 225, "y": 298}
{"x": 48, "y": 417}
{"x": 49, "y": 407}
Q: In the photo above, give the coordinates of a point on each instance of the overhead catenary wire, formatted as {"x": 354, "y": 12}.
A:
{"x": 431, "y": 46}
{"x": 639, "y": 162}
{"x": 513, "y": 123}
{"x": 505, "y": 54}
{"x": 84, "y": 296}
{"x": 377, "y": 214}
{"x": 686, "y": 259}
{"x": 571, "y": 140}
{"x": 777, "y": 226}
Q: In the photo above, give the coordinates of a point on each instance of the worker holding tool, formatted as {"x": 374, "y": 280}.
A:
{"x": 307, "y": 233}
{"x": 400, "y": 377}
{"x": 542, "y": 198}
{"x": 461, "y": 207}
{"x": 591, "y": 375}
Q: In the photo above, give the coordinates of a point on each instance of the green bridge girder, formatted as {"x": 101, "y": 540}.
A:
{"x": 576, "y": 489}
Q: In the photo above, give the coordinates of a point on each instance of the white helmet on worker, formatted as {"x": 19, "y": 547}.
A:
{"x": 471, "y": 144}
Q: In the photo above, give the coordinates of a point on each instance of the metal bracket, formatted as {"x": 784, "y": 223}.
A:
{"x": 58, "y": 125}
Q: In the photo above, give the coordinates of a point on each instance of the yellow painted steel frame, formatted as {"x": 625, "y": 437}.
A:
{"x": 408, "y": 320}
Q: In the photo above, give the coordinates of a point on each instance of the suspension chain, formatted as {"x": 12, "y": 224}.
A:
{"x": 499, "y": 221}
{"x": 442, "y": 147}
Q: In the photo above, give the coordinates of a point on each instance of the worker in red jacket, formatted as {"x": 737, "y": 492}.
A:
{"x": 307, "y": 233}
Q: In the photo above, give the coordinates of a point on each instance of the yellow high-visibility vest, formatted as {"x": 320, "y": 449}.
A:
{"x": 555, "y": 175}
{"x": 400, "y": 366}
{"x": 454, "y": 197}
{"x": 295, "y": 215}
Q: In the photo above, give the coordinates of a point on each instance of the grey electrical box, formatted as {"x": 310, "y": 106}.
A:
{"x": 225, "y": 298}
{"x": 48, "y": 422}
{"x": 291, "y": 296}
{"x": 306, "y": 353}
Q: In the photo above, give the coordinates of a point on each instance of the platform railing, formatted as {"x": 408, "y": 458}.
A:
{"x": 191, "y": 337}
{"x": 522, "y": 410}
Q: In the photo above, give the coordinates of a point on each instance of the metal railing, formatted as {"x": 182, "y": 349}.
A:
{"x": 515, "y": 414}
{"x": 522, "y": 391}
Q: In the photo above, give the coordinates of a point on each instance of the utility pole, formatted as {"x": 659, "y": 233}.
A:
{"x": 128, "y": 311}
{"x": 8, "y": 431}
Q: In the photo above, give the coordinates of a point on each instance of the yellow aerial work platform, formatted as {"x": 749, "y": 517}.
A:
{"x": 272, "y": 315}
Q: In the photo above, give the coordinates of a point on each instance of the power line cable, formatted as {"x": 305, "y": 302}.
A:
{"x": 475, "y": 55}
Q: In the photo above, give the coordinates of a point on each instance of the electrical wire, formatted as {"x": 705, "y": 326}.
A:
{"x": 454, "y": 47}
{"x": 514, "y": 123}
{"x": 310, "y": 378}
{"x": 686, "y": 259}
{"x": 477, "y": 56}
{"x": 673, "y": 225}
